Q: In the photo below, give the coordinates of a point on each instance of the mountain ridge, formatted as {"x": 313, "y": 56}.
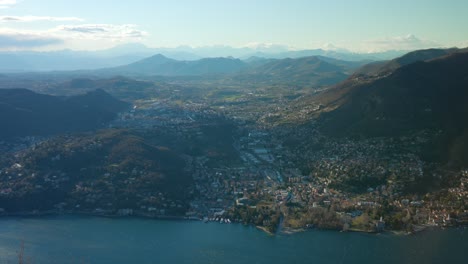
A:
{"x": 72, "y": 60}
{"x": 418, "y": 96}
{"x": 26, "y": 113}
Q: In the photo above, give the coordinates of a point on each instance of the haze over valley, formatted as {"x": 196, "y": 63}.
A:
{"x": 105, "y": 119}
{"x": 266, "y": 131}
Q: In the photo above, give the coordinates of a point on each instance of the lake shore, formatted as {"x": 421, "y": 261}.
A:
{"x": 283, "y": 231}
{"x": 70, "y": 239}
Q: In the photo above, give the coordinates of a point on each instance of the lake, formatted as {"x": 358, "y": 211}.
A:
{"x": 76, "y": 239}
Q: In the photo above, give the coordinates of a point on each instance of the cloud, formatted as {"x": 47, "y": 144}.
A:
{"x": 23, "y": 40}
{"x": 463, "y": 44}
{"x": 102, "y": 31}
{"x": 90, "y": 35}
{"x": 266, "y": 47}
{"x": 261, "y": 45}
{"x": 7, "y": 3}
{"x": 37, "y": 18}
{"x": 332, "y": 47}
{"x": 408, "y": 42}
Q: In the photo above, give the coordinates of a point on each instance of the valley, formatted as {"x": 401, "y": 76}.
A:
{"x": 261, "y": 147}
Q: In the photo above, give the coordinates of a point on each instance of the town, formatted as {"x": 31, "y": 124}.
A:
{"x": 271, "y": 177}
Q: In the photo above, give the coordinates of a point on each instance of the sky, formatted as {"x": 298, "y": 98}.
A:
{"x": 358, "y": 25}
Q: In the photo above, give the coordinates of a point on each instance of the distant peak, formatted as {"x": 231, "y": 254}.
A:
{"x": 158, "y": 58}
{"x": 159, "y": 55}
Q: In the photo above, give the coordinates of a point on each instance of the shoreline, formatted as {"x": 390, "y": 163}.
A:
{"x": 264, "y": 229}
{"x": 93, "y": 214}
{"x": 284, "y": 231}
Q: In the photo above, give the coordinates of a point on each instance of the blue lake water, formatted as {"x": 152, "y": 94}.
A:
{"x": 74, "y": 239}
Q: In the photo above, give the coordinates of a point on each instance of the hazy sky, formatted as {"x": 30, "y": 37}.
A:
{"x": 359, "y": 25}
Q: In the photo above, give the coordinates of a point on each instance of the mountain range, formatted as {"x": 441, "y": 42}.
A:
{"x": 427, "y": 91}
{"x": 395, "y": 123}
{"x": 386, "y": 67}
{"x": 69, "y": 60}
{"x": 163, "y": 66}
{"x": 313, "y": 71}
